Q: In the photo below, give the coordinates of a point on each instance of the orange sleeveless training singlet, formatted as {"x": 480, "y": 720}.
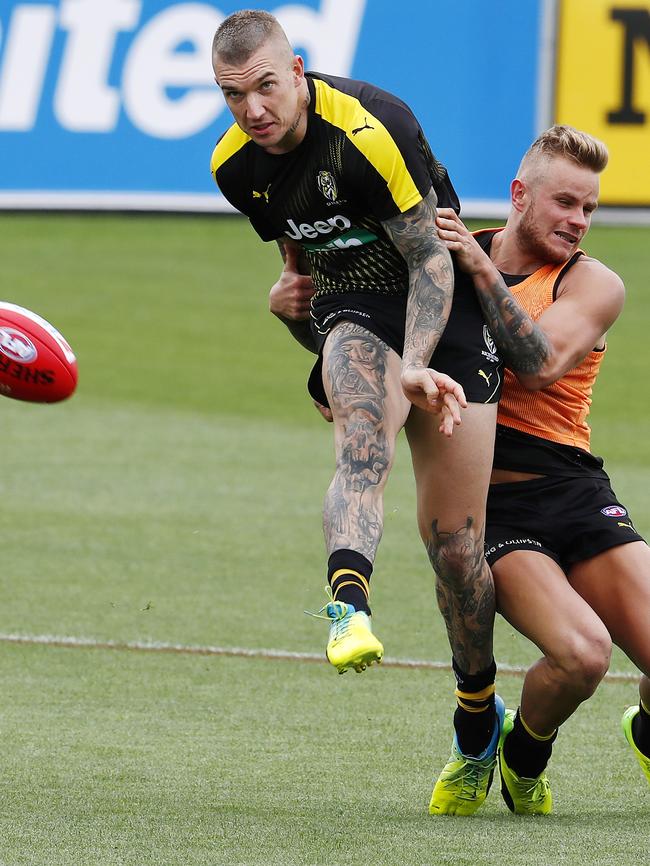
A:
{"x": 558, "y": 412}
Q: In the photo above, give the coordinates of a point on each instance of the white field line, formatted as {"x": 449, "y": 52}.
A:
{"x": 67, "y": 641}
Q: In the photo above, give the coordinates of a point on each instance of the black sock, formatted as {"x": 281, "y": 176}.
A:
{"x": 348, "y": 573}
{"x": 641, "y": 730}
{"x": 475, "y": 715}
{"x": 524, "y": 754}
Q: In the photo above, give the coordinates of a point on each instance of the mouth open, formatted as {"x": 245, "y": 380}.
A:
{"x": 261, "y": 128}
{"x": 567, "y": 238}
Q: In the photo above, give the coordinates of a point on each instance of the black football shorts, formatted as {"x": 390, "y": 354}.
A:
{"x": 568, "y": 519}
{"x": 466, "y": 350}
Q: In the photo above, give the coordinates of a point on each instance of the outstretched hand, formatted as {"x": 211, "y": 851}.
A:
{"x": 436, "y": 393}
{"x": 290, "y": 298}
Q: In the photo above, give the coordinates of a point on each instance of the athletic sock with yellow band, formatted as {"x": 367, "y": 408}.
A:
{"x": 641, "y": 729}
{"x": 475, "y": 715}
{"x": 348, "y": 574}
{"x": 525, "y": 752}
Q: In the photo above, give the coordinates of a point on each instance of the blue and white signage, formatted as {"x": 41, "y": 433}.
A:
{"x": 112, "y": 103}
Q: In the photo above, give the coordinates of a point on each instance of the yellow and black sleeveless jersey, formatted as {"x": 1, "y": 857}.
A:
{"x": 364, "y": 159}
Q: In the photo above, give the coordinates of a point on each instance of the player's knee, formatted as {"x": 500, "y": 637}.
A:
{"x": 455, "y": 556}
{"x": 584, "y": 660}
{"x": 364, "y": 456}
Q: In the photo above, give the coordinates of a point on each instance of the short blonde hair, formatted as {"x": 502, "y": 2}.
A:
{"x": 569, "y": 143}
{"x": 242, "y": 33}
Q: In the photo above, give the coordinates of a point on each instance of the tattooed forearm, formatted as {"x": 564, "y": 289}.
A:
{"x": 465, "y": 593}
{"x": 431, "y": 279}
{"x": 523, "y": 344}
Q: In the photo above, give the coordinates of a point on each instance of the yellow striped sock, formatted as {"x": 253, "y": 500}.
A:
{"x": 361, "y": 582}
{"x": 538, "y": 737}
{"x": 475, "y": 702}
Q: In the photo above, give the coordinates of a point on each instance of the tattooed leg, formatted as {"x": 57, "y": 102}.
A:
{"x": 465, "y": 592}
{"x": 361, "y": 375}
{"x": 452, "y": 477}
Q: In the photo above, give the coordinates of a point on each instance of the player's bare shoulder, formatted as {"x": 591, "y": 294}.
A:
{"x": 589, "y": 276}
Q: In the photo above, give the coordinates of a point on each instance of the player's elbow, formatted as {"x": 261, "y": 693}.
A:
{"x": 430, "y": 260}
{"x": 533, "y": 382}
{"x": 539, "y": 379}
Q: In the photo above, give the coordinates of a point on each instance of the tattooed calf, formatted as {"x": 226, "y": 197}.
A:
{"x": 465, "y": 593}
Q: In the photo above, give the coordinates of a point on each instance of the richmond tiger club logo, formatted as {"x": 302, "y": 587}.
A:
{"x": 491, "y": 353}
{"x": 489, "y": 342}
{"x": 327, "y": 185}
{"x": 15, "y": 345}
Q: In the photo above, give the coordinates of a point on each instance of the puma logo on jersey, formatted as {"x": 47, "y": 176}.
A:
{"x": 485, "y": 376}
{"x": 361, "y": 128}
{"x": 626, "y": 525}
{"x": 264, "y": 194}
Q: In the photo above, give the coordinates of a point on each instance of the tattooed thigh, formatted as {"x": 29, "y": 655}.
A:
{"x": 356, "y": 375}
{"x": 355, "y": 364}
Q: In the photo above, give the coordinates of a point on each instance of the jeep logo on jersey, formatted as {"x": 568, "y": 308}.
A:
{"x": 320, "y": 227}
{"x": 613, "y": 511}
{"x": 327, "y": 185}
{"x": 15, "y": 345}
{"x": 489, "y": 342}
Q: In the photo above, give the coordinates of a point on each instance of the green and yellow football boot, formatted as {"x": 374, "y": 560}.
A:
{"x": 522, "y": 796}
{"x": 626, "y": 723}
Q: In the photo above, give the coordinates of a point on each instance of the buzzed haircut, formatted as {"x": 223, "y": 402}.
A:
{"x": 570, "y": 143}
{"x": 242, "y": 33}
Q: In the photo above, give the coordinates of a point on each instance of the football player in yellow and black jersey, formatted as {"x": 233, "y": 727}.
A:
{"x": 340, "y": 174}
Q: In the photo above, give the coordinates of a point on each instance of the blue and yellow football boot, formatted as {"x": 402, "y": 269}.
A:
{"x": 351, "y": 642}
{"x": 465, "y": 781}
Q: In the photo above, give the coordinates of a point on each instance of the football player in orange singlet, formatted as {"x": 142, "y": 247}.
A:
{"x": 571, "y": 571}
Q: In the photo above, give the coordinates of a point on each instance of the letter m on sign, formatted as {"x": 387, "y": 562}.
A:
{"x": 636, "y": 30}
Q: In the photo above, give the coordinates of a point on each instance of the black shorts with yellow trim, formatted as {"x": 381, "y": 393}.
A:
{"x": 466, "y": 351}
{"x": 568, "y": 519}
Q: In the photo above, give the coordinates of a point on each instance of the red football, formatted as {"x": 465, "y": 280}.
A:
{"x": 36, "y": 362}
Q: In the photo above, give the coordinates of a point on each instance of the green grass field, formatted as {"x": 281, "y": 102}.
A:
{"x": 175, "y": 500}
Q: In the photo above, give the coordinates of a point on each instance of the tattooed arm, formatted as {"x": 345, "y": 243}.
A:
{"x": 431, "y": 288}
{"x": 290, "y": 296}
{"x": 431, "y": 279}
{"x": 589, "y": 299}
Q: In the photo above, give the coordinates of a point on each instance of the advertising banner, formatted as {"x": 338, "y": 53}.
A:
{"x": 112, "y": 103}
{"x": 603, "y": 86}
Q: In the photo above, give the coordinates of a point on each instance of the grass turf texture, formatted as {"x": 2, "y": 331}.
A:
{"x": 177, "y": 498}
